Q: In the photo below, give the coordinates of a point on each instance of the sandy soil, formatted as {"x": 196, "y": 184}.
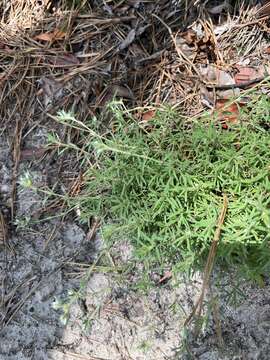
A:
{"x": 114, "y": 318}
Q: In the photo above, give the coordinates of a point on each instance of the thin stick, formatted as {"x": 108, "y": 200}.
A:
{"x": 16, "y": 160}
{"x": 210, "y": 261}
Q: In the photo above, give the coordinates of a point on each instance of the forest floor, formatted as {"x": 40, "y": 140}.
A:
{"x": 65, "y": 293}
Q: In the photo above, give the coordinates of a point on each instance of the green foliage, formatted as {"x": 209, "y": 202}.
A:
{"x": 162, "y": 184}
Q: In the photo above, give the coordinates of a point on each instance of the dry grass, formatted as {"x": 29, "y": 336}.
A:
{"x": 98, "y": 69}
{"x": 92, "y": 56}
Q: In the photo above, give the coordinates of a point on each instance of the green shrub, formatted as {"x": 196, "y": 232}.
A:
{"x": 161, "y": 185}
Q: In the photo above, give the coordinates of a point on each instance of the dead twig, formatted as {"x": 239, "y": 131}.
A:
{"x": 209, "y": 263}
{"x": 16, "y": 160}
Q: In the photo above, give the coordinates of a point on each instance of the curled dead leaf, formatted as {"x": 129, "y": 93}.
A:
{"x": 51, "y": 36}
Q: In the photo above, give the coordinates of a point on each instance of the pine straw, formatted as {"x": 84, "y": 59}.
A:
{"x": 98, "y": 67}
{"x": 92, "y": 62}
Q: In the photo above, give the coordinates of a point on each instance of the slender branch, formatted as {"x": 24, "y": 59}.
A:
{"x": 210, "y": 262}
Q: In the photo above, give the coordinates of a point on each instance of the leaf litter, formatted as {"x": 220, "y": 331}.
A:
{"x": 53, "y": 58}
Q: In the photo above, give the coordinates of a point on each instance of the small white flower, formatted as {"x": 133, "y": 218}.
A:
{"x": 25, "y": 181}
{"x": 57, "y": 304}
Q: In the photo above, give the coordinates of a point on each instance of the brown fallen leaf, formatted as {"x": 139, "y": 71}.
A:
{"x": 247, "y": 74}
{"x": 217, "y": 76}
{"x": 32, "y": 154}
{"x": 4, "y": 46}
{"x": 228, "y": 113}
{"x": 189, "y": 36}
{"x": 220, "y": 78}
{"x": 148, "y": 115}
{"x": 51, "y": 36}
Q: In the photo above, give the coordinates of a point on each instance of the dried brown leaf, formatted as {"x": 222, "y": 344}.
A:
{"x": 214, "y": 75}
{"x": 148, "y": 115}
{"x": 190, "y": 36}
{"x": 51, "y": 36}
{"x": 228, "y": 113}
{"x": 248, "y": 73}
